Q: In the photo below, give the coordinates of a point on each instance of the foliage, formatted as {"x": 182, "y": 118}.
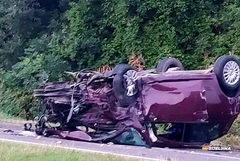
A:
{"x": 43, "y": 38}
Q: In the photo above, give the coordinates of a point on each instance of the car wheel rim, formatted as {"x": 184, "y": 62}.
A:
{"x": 231, "y": 73}
{"x": 131, "y": 77}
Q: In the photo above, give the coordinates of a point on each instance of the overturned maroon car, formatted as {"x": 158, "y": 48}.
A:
{"x": 164, "y": 107}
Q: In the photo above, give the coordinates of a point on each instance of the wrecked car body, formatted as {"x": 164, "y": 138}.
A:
{"x": 164, "y": 107}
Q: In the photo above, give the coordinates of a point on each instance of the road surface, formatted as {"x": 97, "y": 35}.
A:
{"x": 17, "y": 135}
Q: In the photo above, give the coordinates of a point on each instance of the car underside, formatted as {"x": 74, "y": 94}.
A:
{"x": 166, "y": 106}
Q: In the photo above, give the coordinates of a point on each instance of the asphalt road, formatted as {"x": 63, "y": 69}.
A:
{"x": 17, "y": 135}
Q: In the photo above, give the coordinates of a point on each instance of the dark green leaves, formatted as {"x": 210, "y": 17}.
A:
{"x": 42, "y": 38}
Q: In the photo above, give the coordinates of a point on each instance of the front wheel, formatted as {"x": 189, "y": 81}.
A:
{"x": 125, "y": 85}
{"x": 167, "y": 63}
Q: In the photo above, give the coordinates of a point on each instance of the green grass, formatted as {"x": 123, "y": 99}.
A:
{"x": 22, "y": 152}
{"x": 11, "y": 119}
{"x": 5, "y": 116}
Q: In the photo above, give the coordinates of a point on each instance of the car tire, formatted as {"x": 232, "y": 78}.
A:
{"x": 120, "y": 69}
{"x": 166, "y": 63}
{"x": 224, "y": 67}
{"x": 121, "y": 86}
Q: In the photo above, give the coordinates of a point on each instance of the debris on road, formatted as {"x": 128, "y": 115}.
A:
{"x": 38, "y": 137}
{"x": 59, "y": 142}
{"x": 27, "y": 133}
{"x": 8, "y": 131}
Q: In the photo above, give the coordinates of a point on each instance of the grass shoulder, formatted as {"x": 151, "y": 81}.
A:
{"x": 6, "y": 118}
{"x": 11, "y": 151}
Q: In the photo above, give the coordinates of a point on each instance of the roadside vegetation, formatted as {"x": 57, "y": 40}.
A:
{"x": 7, "y": 118}
{"x": 43, "y": 38}
{"x": 232, "y": 139}
{"x": 11, "y": 152}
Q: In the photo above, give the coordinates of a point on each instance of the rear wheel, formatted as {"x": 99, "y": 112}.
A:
{"x": 227, "y": 70}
